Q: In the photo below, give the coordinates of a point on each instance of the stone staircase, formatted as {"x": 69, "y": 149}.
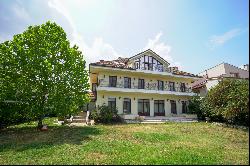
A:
{"x": 80, "y": 118}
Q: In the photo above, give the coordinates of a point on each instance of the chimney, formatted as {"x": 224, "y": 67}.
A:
{"x": 246, "y": 67}
{"x": 173, "y": 69}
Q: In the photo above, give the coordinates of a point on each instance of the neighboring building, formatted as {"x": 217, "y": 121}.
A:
{"x": 142, "y": 85}
{"x": 212, "y": 76}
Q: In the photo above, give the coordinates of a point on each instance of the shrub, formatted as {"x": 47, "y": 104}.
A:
{"x": 94, "y": 115}
{"x": 228, "y": 102}
{"x": 194, "y": 107}
{"x": 12, "y": 113}
{"x": 106, "y": 115}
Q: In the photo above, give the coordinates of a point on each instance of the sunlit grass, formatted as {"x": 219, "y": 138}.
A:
{"x": 170, "y": 143}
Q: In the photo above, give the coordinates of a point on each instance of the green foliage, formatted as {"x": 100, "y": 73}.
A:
{"x": 42, "y": 74}
{"x": 228, "y": 101}
{"x": 106, "y": 115}
{"x": 194, "y": 107}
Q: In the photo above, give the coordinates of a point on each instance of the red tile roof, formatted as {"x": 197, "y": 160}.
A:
{"x": 122, "y": 64}
{"x": 199, "y": 83}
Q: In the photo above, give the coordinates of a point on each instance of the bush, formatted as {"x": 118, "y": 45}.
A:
{"x": 228, "y": 102}
{"x": 194, "y": 107}
{"x": 106, "y": 115}
{"x": 12, "y": 113}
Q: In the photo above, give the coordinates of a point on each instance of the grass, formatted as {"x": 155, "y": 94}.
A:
{"x": 170, "y": 143}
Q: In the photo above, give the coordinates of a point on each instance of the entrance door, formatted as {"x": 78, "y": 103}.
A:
{"x": 159, "y": 108}
{"x": 173, "y": 107}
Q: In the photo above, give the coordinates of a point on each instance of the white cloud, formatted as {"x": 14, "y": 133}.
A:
{"x": 161, "y": 49}
{"x": 99, "y": 49}
{"x": 218, "y": 40}
{"x": 20, "y": 12}
{"x": 93, "y": 52}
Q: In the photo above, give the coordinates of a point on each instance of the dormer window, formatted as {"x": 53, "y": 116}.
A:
{"x": 149, "y": 60}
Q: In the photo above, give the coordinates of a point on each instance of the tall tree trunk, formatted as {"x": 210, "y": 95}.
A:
{"x": 40, "y": 122}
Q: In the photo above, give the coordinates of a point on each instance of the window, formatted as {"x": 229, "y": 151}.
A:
{"x": 141, "y": 84}
{"x": 173, "y": 107}
{"x": 159, "y": 108}
{"x": 171, "y": 86}
{"x": 184, "y": 107}
{"x": 143, "y": 107}
{"x": 127, "y": 106}
{"x": 127, "y": 82}
{"x": 183, "y": 87}
{"x": 137, "y": 64}
{"x": 236, "y": 75}
{"x": 112, "y": 81}
{"x": 160, "y": 85}
{"x": 112, "y": 103}
{"x": 159, "y": 68}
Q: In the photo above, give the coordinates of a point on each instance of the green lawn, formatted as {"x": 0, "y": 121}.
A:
{"x": 170, "y": 143}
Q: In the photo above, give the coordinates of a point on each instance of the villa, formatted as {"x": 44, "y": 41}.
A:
{"x": 142, "y": 85}
{"x": 213, "y": 75}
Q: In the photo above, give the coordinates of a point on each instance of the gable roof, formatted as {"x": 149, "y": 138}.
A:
{"x": 149, "y": 51}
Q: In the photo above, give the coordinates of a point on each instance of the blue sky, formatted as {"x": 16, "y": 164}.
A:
{"x": 191, "y": 34}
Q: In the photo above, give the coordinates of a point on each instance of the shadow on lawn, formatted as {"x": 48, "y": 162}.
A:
{"x": 20, "y": 139}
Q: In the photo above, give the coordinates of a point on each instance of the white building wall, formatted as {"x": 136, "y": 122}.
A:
{"x": 233, "y": 69}
{"x": 224, "y": 69}
{"x": 214, "y": 72}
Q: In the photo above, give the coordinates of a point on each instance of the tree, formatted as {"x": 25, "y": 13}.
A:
{"x": 42, "y": 74}
{"x": 228, "y": 101}
{"x": 194, "y": 107}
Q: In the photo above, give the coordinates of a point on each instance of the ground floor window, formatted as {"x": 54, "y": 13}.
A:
{"x": 184, "y": 107}
{"x": 159, "y": 108}
{"x": 143, "y": 107}
{"x": 127, "y": 106}
{"x": 112, "y": 103}
{"x": 173, "y": 107}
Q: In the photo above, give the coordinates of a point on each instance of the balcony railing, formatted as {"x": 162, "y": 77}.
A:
{"x": 148, "y": 86}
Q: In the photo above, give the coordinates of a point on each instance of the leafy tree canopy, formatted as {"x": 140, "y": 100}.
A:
{"x": 41, "y": 73}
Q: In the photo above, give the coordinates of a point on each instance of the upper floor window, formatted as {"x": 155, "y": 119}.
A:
{"x": 137, "y": 64}
{"x": 159, "y": 67}
{"x": 183, "y": 87}
{"x": 127, "y": 82}
{"x": 160, "y": 85}
{"x": 112, "y": 81}
{"x": 236, "y": 75}
{"x": 147, "y": 62}
{"x": 141, "y": 84}
{"x": 171, "y": 86}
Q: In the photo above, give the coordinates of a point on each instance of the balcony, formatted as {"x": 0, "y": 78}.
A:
{"x": 149, "y": 88}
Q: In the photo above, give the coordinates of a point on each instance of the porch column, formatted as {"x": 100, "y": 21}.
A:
{"x": 178, "y": 107}
{"x": 151, "y": 107}
{"x": 167, "y": 106}
{"x": 134, "y": 106}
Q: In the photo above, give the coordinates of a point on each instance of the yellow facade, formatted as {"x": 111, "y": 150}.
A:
{"x": 99, "y": 75}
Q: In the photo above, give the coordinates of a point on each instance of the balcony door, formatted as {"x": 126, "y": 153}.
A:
{"x": 173, "y": 107}
{"x": 112, "y": 81}
{"x": 143, "y": 107}
{"x": 127, "y": 82}
{"x": 159, "y": 108}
